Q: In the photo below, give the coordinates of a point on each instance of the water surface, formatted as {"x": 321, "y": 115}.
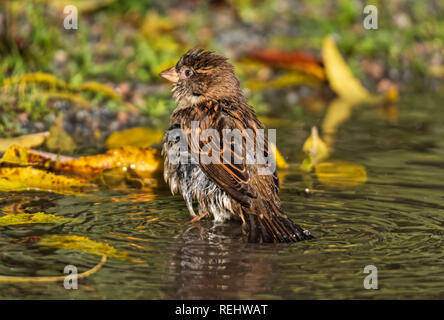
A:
{"x": 395, "y": 222}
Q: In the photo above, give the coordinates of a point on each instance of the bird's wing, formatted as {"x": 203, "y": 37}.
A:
{"x": 230, "y": 174}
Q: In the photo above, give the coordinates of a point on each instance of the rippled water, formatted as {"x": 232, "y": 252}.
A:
{"x": 395, "y": 221}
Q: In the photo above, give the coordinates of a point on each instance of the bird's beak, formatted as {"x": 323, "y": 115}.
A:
{"x": 170, "y": 74}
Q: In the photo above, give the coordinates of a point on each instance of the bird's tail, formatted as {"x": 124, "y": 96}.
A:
{"x": 274, "y": 228}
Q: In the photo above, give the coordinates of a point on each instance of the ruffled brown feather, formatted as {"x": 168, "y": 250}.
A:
{"x": 212, "y": 97}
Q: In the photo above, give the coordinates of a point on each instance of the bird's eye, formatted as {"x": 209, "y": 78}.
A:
{"x": 187, "y": 73}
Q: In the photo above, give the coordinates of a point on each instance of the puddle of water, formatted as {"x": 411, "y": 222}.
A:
{"x": 395, "y": 221}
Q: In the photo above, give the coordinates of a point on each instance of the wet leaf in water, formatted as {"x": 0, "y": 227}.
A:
{"x": 7, "y": 185}
{"x": 17, "y": 155}
{"x": 24, "y": 218}
{"x": 316, "y": 150}
{"x": 83, "y": 244}
{"x": 35, "y": 179}
{"x": 59, "y": 140}
{"x": 136, "y": 137}
{"x": 340, "y": 174}
{"x": 139, "y": 162}
{"x": 26, "y": 141}
{"x": 143, "y": 161}
{"x": 28, "y": 157}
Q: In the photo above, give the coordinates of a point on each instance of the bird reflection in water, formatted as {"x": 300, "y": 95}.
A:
{"x": 215, "y": 262}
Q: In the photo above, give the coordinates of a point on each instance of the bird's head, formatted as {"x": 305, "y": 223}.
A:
{"x": 202, "y": 75}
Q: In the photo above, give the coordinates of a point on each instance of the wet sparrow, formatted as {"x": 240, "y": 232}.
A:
{"x": 203, "y": 163}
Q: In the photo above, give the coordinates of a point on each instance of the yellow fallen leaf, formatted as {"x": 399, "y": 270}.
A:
{"x": 26, "y": 141}
{"x": 35, "y": 179}
{"x": 83, "y": 244}
{"x": 136, "y": 137}
{"x": 24, "y": 218}
{"x": 7, "y": 185}
{"x": 340, "y": 77}
{"x": 17, "y": 155}
{"x": 340, "y": 174}
{"x": 143, "y": 161}
{"x": 280, "y": 160}
{"x": 316, "y": 150}
{"x": 138, "y": 162}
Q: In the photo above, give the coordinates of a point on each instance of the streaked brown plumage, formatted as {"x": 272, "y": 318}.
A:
{"x": 208, "y": 91}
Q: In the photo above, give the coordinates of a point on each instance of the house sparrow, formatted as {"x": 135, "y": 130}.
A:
{"x": 209, "y": 96}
